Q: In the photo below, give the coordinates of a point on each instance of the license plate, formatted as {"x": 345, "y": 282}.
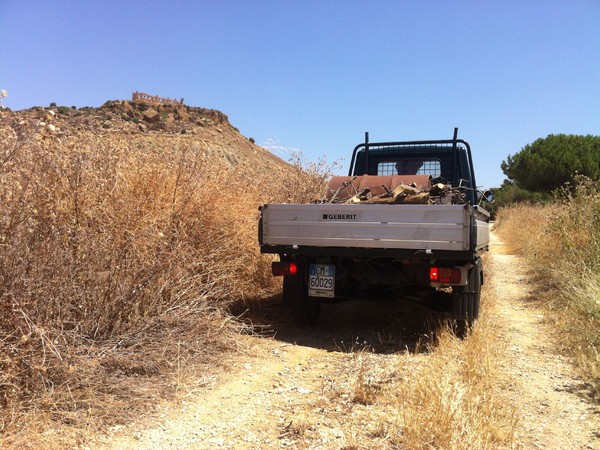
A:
{"x": 321, "y": 280}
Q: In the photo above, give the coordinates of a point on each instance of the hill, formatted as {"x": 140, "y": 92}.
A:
{"x": 149, "y": 125}
{"x": 126, "y": 232}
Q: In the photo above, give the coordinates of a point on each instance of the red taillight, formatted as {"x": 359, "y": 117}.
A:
{"x": 445, "y": 275}
{"x": 284, "y": 268}
{"x": 292, "y": 268}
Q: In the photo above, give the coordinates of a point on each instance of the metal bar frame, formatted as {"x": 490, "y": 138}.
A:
{"x": 454, "y": 142}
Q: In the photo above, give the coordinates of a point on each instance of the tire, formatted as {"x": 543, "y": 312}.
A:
{"x": 466, "y": 300}
{"x": 305, "y": 310}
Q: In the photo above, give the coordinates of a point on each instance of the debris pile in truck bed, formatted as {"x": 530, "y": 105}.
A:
{"x": 393, "y": 189}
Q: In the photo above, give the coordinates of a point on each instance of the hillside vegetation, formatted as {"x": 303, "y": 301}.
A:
{"x": 562, "y": 242}
{"x": 124, "y": 233}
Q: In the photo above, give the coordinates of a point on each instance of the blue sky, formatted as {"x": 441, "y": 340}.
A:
{"x": 315, "y": 75}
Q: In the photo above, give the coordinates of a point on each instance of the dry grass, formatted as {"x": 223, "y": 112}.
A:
{"x": 365, "y": 389}
{"x": 562, "y": 243}
{"x": 296, "y": 189}
{"x": 453, "y": 399}
{"x": 117, "y": 259}
{"x": 450, "y": 394}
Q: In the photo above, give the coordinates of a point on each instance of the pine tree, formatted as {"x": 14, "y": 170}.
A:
{"x": 549, "y": 162}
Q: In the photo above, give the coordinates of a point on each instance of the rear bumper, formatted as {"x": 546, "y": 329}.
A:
{"x": 351, "y": 252}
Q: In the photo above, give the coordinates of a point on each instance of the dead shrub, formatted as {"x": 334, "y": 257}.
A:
{"x": 114, "y": 248}
{"x": 307, "y": 181}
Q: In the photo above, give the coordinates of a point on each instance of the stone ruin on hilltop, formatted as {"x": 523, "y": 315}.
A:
{"x": 142, "y": 97}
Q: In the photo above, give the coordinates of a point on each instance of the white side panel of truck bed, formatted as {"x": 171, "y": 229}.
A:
{"x": 483, "y": 229}
{"x": 418, "y": 227}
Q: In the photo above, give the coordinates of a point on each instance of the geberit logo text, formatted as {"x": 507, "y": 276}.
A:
{"x": 339, "y": 216}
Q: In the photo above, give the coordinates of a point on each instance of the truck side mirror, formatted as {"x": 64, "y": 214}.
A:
{"x": 487, "y": 196}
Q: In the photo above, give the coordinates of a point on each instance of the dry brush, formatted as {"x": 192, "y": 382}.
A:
{"x": 114, "y": 251}
{"x": 562, "y": 242}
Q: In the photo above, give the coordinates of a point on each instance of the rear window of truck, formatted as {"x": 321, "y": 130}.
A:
{"x": 410, "y": 167}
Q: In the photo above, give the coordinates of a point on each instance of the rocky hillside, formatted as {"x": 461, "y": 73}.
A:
{"x": 155, "y": 126}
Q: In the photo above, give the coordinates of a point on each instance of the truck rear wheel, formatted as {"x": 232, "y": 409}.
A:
{"x": 305, "y": 310}
{"x": 466, "y": 300}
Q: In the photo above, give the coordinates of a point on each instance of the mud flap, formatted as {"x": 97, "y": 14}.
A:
{"x": 466, "y": 299}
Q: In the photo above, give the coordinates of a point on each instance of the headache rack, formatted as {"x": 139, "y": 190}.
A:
{"x": 377, "y": 158}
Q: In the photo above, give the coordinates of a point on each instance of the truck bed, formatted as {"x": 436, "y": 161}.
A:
{"x": 409, "y": 227}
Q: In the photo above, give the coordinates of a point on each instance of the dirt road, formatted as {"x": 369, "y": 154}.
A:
{"x": 326, "y": 387}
